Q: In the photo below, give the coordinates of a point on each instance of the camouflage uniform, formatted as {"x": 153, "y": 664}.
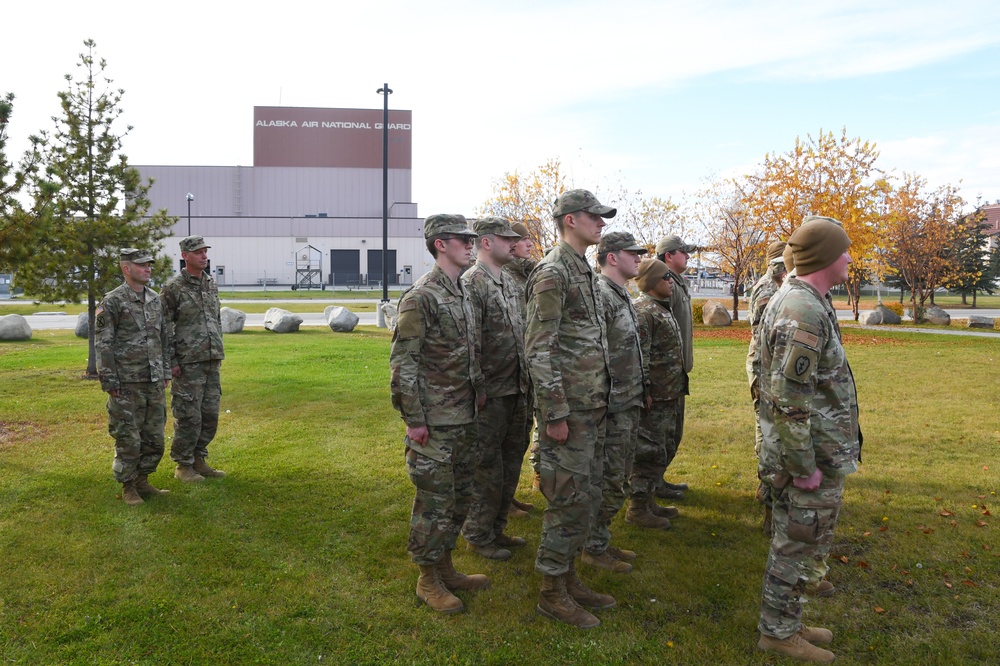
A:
{"x": 680, "y": 308}
{"x": 191, "y": 311}
{"x": 434, "y": 383}
{"x": 496, "y": 307}
{"x": 628, "y": 381}
{"x": 566, "y": 347}
{"x": 130, "y": 339}
{"x": 663, "y": 368}
{"x": 809, "y": 421}
{"x": 519, "y": 269}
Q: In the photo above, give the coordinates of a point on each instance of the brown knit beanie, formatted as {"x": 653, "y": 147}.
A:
{"x": 774, "y": 250}
{"x": 651, "y": 271}
{"x": 816, "y": 244}
{"x": 786, "y": 256}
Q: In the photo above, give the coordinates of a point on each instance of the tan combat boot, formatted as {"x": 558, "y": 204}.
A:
{"x": 202, "y": 468}
{"x": 186, "y": 474}
{"x": 514, "y": 512}
{"x": 454, "y": 580}
{"x": 145, "y": 489}
{"x": 824, "y": 588}
{"x": 606, "y": 561}
{"x": 796, "y": 647}
{"x": 554, "y": 602}
{"x": 622, "y": 554}
{"x": 505, "y": 541}
{"x": 582, "y": 594}
{"x": 432, "y": 591}
{"x": 663, "y": 511}
{"x": 639, "y": 514}
{"x": 130, "y": 495}
{"x": 816, "y": 635}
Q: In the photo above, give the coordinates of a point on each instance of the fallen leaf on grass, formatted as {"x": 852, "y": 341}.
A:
{"x": 986, "y": 468}
{"x": 981, "y": 496}
{"x": 909, "y": 582}
{"x": 966, "y": 554}
{"x": 937, "y": 499}
{"x": 953, "y": 523}
{"x": 969, "y": 583}
{"x": 921, "y": 527}
{"x": 948, "y": 585}
{"x": 968, "y": 570}
{"x": 905, "y": 572}
{"x": 887, "y": 492}
{"x": 879, "y": 609}
{"x": 861, "y": 564}
{"x": 987, "y": 513}
{"x": 986, "y": 547}
{"x": 928, "y": 531}
{"x": 946, "y": 513}
{"x": 980, "y": 523}
{"x": 867, "y": 534}
{"x": 883, "y": 528}
{"x": 843, "y": 558}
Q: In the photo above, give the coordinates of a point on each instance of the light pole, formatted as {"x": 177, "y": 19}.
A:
{"x": 190, "y": 198}
{"x": 385, "y": 91}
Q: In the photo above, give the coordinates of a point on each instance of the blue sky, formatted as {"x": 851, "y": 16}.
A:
{"x": 657, "y": 94}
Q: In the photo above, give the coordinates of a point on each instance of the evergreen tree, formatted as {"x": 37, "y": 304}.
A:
{"x": 971, "y": 257}
{"x": 18, "y": 226}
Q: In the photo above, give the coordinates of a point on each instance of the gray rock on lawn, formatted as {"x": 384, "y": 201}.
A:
{"x": 82, "y": 323}
{"x": 714, "y": 313}
{"x": 389, "y": 312}
{"x": 232, "y": 320}
{"x": 935, "y": 315}
{"x": 281, "y": 321}
{"x": 871, "y": 318}
{"x": 340, "y": 319}
{"x": 978, "y": 321}
{"x": 14, "y": 328}
{"x": 880, "y": 315}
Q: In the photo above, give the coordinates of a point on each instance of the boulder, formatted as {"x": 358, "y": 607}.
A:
{"x": 232, "y": 320}
{"x": 14, "y": 328}
{"x": 389, "y": 312}
{"x": 82, "y": 324}
{"x": 935, "y": 315}
{"x": 340, "y": 319}
{"x": 975, "y": 321}
{"x": 871, "y": 318}
{"x": 715, "y": 313}
{"x": 281, "y": 321}
{"x": 888, "y": 316}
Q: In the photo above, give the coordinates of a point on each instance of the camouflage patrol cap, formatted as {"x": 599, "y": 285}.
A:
{"x": 521, "y": 229}
{"x": 774, "y": 251}
{"x": 617, "y": 241}
{"x": 135, "y": 256}
{"x": 572, "y": 201}
{"x": 651, "y": 271}
{"x": 496, "y": 226}
{"x": 672, "y": 243}
{"x": 443, "y": 223}
{"x": 192, "y": 243}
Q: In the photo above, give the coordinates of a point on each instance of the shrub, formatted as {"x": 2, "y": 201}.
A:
{"x": 895, "y": 307}
{"x": 697, "y": 308}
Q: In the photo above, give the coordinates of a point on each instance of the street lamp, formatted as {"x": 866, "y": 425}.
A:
{"x": 385, "y": 91}
{"x": 190, "y": 198}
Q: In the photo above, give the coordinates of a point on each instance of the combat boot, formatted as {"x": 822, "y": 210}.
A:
{"x": 606, "y": 561}
{"x": 490, "y": 551}
{"x": 639, "y": 514}
{"x": 662, "y": 492}
{"x": 674, "y": 486}
{"x": 505, "y": 541}
{"x": 622, "y": 554}
{"x": 454, "y": 580}
{"x": 186, "y": 474}
{"x": 795, "y": 647}
{"x": 130, "y": 495}
{"x": 824, "y": 588}
{"x": 816, "y": 635}
{"x": 145, "y": 489}
{"x": 514, "y": 512}
{"x": 582, "y": 594}
{"x": 523, "y": 506}
{"x": 432, "y": 591}
{"x": 202, "y": 468}
{"x": 663, "y": 511}
{"x": 554, "y": 602}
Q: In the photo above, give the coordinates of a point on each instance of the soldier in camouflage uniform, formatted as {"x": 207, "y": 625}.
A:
{"x": 566, "y": 345}
{"x": 618, "y": 255}
{"x": 192, "y": 313}
{"x": 760, "y": 294}
{"x": 674, "y": 252}
{"x": 130, "y": 339}
{"x": 496, "y": 308}
{"x": 809, "y": 423}
{"x": 667, "y": 383}
{"x": 436, "y": 386}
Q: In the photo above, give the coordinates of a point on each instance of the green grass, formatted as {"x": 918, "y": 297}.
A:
{"x": 298, "y": 556}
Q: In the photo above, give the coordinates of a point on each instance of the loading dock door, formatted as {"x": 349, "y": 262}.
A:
{"x": 375, "y": 266}
{"x": 345, "y": 267}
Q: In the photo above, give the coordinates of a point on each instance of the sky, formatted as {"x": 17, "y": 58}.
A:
{"x": 657, "y": 96}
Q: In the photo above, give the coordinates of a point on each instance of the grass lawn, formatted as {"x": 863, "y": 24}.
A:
{"x": 298, "y": 556}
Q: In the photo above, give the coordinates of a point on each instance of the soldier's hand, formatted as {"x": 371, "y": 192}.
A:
{"x": 418, "y": 435}
{"x": 481, "y": 401}
{"x": 649, "y": 402}
{"x": 113, "y": 393}
{"x": 809, "y": 483}
{"x": 557, "y": 432}
{"x": 175, "y": 371}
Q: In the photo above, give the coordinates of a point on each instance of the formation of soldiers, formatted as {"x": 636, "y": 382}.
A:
{"x": 143, "y": 341}
{"x": 479, "y": 355}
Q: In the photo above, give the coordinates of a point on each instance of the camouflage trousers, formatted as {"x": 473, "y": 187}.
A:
{"x": 442, "y": 472}
{"x": 571, "y": 483}
{"x": 764, "y": 487}
{"x": 498, "y": 459}
{"x": 655, "y": 447}
{"x": 803, "y": 533}
{"x": 619, "y": 451}
{"x": 136, "y": 418}
{"x": 194, "y": 401}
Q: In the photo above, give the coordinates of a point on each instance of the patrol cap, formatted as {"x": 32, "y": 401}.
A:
{"x": 572, "y": 201}
{"x": 521, "y": 229}
{"x": 617, "y": 241}
{"x": 135, "y": 256}
{"x": 443, "y": 223}
{"x": 496, "y": 226}
{"x": 651, "y": 271}
{"x": 774, "y": 250}
{"x": 672, "y": 243}
{"x": 816, "y": 244}
{"x": 192, "y": 243}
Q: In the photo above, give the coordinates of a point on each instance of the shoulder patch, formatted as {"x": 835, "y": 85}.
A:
{"x": 547, "y": 284}
{"x": 407, "y": 305}
{"x": 800, "y": 363}
{"x": 805, "y": 338}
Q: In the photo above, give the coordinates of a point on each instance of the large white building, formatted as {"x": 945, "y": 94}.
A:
{"x": 309, "y": 210}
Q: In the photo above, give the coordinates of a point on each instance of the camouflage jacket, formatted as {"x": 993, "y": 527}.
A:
{"x": 808, "y": 401}
{"x": 130, "y": 338}
{"x": 680, "y": 308}
{"x": 499, "y": 331}
{"x": 191, "y": 311}
{"x": 628, "y": 378}
{"x": 435, "y": 380}
{"x": 760, "y": 294}
{"x": 662, "y": 349}
{"x": 566, "y": 340}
